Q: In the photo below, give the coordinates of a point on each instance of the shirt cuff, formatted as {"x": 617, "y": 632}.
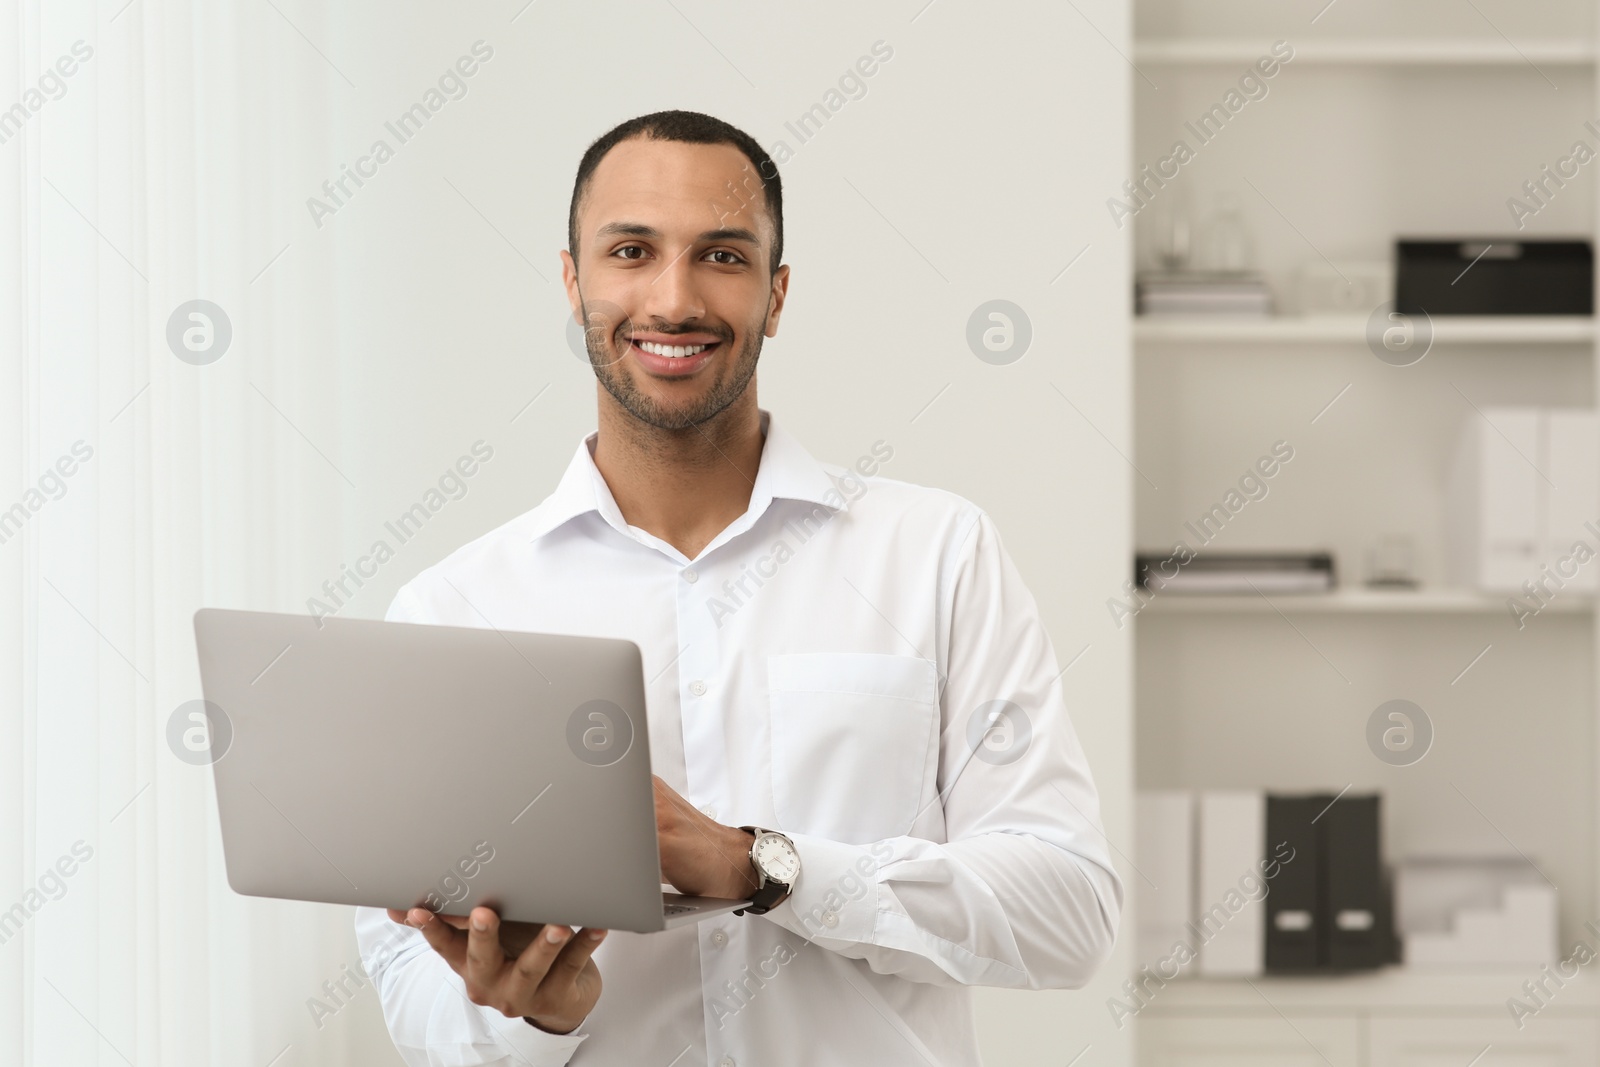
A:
{"x": 534, "y": 1047}
{"x": 836, "y": 896}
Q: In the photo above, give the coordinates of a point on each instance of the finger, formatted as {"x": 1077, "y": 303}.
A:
{"x": 517, "y": 936}
{"x": 576, "y": 952}
{"x": 446, "y": 940}
{"x": 485, "y": 959}
{"x": 530, "y": 968}
{"x": 398, "y": 915}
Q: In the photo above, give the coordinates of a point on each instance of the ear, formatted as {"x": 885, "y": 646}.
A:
{"x": 569, "y": 281}
{"x": 780, "y": 290}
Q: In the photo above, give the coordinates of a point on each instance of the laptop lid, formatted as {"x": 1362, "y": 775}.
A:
{"x": 396, "y": 765}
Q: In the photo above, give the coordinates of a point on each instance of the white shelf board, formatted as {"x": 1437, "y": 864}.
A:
{"x": 1447, "y": 329}
{"x": 1392, "y": 989}
{"x": 1460, "y": 52}
{"x": 1358, "y": 602}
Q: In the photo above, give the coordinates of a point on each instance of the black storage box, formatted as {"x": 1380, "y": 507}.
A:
{"x": 1331, "y": 907}
{"x": 1509, "y": 277}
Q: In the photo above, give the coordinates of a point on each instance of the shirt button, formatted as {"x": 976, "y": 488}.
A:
{"x": 829, "y": 919}
{"x": 697, "y": 687}
{"x": 719, "y": 938}
{"x": 726, "y": 1061}
{"x": 710, "y": 811}
{"x": 689, "y": 575}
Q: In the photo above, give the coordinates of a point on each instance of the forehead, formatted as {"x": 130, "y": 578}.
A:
{"x": 675, "y": 186}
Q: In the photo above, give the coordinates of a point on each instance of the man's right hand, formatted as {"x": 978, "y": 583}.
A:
{"x": 553, "y": 984}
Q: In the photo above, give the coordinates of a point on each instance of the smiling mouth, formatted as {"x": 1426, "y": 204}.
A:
{"x": 672, "y": 351}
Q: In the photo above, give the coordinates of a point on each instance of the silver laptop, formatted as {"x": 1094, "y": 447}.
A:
{"x": 398, "y": 765}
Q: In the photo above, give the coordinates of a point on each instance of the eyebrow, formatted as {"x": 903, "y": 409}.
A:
{"x": 639, "y": 229}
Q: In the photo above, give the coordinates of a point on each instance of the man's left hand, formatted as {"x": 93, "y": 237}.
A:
{"x": 700, "y": 857}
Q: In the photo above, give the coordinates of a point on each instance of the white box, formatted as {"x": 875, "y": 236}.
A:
{"x": 1474, "y": 911}
{"x": 1573, "y": 451}
{"x": 1232, "y": 840}
{"x": 1164, "y": 851}
{"x": 1521, "y": 932}
{"x": 1524, "y": 486}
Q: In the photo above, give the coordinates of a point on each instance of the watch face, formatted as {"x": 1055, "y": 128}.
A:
{"x": 776, "y": 857}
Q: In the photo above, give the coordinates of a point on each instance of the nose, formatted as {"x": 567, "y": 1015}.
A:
{"x": 672, "y": 294}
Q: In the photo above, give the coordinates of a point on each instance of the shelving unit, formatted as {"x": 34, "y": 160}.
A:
{"x": 1466, "y": 329}
{"x": 1358, "y": 602}
{"x": 1391, "y": 120}
{"x": 1464, "y": 52}
{"x": 1395, "y": 988}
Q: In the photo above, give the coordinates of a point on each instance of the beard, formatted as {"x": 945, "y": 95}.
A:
{"x": 607, "y": 352}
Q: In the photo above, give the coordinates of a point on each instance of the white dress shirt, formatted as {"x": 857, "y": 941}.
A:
{"x": 828, "y": 666}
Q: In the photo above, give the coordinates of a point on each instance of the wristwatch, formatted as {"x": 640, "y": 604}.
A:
{"x": 777, "y": 865}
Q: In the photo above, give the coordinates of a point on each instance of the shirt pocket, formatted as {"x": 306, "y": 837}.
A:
{"x": 852, "y": 734}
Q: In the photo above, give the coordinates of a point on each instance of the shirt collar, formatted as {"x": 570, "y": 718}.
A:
{"x": 787, "y": 471}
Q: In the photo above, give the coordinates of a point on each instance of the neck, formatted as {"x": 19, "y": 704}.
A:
{"x": 684, "y": 486}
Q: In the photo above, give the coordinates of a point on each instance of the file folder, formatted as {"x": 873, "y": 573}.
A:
{"x": 1294, "y": 922}
{"x": 1359, "y": 931}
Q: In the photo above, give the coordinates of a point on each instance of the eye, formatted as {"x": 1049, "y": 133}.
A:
{"x": 724, "y": 252}
{"x": 628, "y": 248}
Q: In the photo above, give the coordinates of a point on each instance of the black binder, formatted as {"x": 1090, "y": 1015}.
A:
{"x": 1293, "y": 916}
{"x": 1330, "y": 908}
{"x": 1359, "y": 932}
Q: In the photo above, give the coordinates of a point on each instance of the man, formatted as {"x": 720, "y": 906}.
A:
{"x": 851, "y": 667}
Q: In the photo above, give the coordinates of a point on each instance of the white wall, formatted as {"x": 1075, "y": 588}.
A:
{"x": 975, "y": 167}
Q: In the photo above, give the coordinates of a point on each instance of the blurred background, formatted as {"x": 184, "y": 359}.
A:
{"x": 1365, "y": 258}
{"x": 1264, "y": 331}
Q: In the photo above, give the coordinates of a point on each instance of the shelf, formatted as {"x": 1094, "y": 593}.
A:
{"x": 1390, "y": 989}
{"x": 1437, "y": 53}
{"x": 1447, "y": 329}
{"x": 1358, "y": 602}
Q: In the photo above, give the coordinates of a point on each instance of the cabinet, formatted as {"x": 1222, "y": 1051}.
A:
{"x": 1452, "y": 1041}
{"x": 1266, "y": 1039}
{"x": 1393, "y": 1018}
{"x": 1251, "y": 1041}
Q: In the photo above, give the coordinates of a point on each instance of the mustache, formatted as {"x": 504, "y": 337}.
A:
{"x": 721, "y": 335}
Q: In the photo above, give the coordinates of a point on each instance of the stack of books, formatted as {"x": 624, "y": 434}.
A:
{"x": 1199, "y": 293}
{"x": 1236, "y": 572}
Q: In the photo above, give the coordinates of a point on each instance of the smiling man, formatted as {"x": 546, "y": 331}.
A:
{"x": 869, "y": 740}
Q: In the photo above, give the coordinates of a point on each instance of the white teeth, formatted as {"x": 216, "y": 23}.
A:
{"x": 671, "y": 351}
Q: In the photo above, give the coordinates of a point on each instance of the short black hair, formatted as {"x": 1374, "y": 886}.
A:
{"x": 688, "y": 127}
